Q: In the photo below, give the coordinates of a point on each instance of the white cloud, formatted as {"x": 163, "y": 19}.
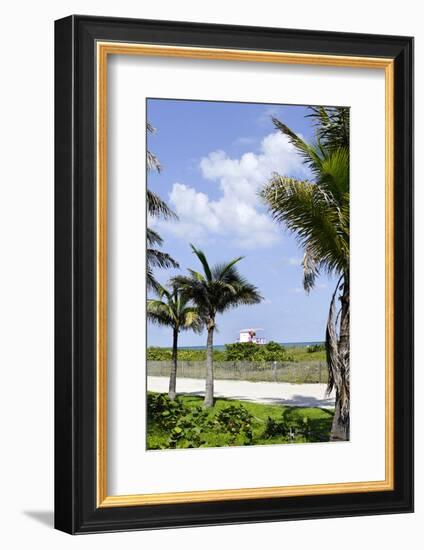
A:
{"x": 237, "y": 214}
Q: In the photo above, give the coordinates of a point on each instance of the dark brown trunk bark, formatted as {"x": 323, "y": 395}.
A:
{"x": 208, "y": 402}
{"x": 340, "y": 430}
{"x": 173, "y": 378}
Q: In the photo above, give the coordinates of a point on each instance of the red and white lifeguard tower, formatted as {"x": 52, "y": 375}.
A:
{"x": 247, "y": 335}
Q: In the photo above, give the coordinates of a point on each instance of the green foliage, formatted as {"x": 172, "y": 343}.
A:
{"x": 173, "y": 309}
{"x": 317, "y": 211}
{"x": 235, "y": 352}
{"x": 314, "y": 348}
{"x": 160, "y": 354}
{"x": 332, "y": 126}
{"x": 237, "y": 422}
{"x": 163, "y": 410}
{"x": 293, "y": 427}
{"x": 250, "y": 351}
{"x": 188, "y": 431}
{"x": 186, "y": 424}
{"x": 165, "y": 354}
{"x": 301, "y": 354}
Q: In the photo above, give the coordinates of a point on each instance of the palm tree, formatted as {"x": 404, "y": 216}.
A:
{"x": 317, "y": 212}
{"x": 156, "y": 207}
{"x": 218, "y": 289}
{"x": 173, "y": 309}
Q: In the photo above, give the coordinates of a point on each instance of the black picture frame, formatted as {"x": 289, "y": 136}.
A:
{"x": 76, "y": 510}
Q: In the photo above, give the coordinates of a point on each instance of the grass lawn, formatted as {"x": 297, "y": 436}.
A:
{"x": 301, "y": 354}
{"x": 318, "y": 422}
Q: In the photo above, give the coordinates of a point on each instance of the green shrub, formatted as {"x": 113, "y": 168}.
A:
{"x": 249, "y": 351}
{"x": 313, "y": 348}
{"x": 291, "y": 426}
{"x": 164, "y": 411}
{"x": 188, "y": 431}
{"x": 185, "y": 425}
{"x": 165, "y": 354}
{"x": 236, "y": 421}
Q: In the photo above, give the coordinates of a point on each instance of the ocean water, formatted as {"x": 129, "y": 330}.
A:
{"x": 285, "y": 344}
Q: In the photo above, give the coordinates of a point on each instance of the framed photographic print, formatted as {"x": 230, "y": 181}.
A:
{"x": 233, "y": 274}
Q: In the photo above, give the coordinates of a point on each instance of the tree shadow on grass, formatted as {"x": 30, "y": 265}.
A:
{"x": 304, "y": 401}
{"x": 295, "y": 401}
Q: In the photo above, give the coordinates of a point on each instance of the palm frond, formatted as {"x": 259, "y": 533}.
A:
{"x": 193, "y": 289}
{"x": 192, "y": 320}
{"x": 158, "y": 208}
{"x": 160, "y": 313}
{"x": 172, "y": 309}
{"x": 157, "y": 258}
{"x": 150, "y": 128}
{"x": 311, "y": 155}
{"x": 151, "y": 159}
{"x": 332, "y": 125}
{"x": 310, "y": 269}
{"x": 201, "y": 255}
{"x": 153, "y": 162}
{"x": 309, "y": 212}
{"x": 220, "y": 270}
{"x": 153, "y": 238}
{"x": 196, "y": 275}
{"x": 244, "y": 294}
{"x": 334, "y": 175}
{"x": 162, "y": 292}
{"x": 151, "y": 282}
{"x": 221, "y": 288}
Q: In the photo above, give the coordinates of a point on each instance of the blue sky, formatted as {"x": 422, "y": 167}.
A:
{"x": 215, "y": 157}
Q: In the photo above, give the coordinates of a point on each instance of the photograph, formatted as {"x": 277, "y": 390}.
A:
{"x": 247, "y": 274}
{"x": 222, "y": 192}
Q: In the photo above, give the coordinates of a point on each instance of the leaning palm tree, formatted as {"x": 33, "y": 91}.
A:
{"x": 214, "y": 291}
{"x": 172, "y": 309}
{"x": 156, "y": 207}
{"x": 317, "y": 212}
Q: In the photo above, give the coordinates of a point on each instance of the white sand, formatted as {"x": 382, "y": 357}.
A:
{"x": 299, "y": 395}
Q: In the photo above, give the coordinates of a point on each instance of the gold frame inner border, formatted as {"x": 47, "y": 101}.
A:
{"x": 104, "y": 49}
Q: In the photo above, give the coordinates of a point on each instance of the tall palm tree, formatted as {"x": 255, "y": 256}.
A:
{"x": 317, "y": 212}
{"x": 214, "y": 291}
{"x": 156, "y": 207}
{"x": 172, "y": 309}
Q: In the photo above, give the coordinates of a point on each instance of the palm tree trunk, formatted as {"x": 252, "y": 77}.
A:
{"x": 340, "y": 430}
{"x": 208, "y": 402}
{"x": 173, "y": 378}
